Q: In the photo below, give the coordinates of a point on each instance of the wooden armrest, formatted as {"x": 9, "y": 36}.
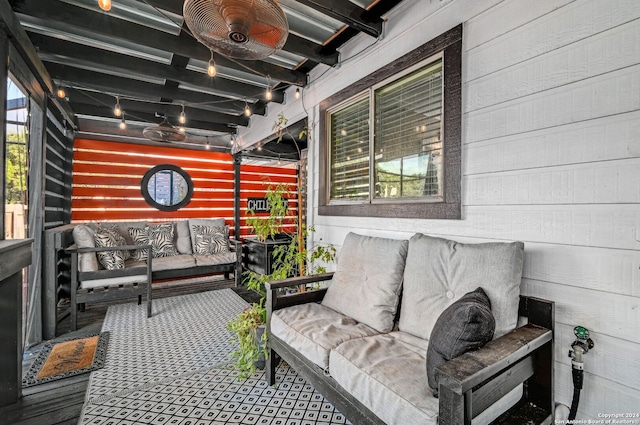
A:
{"x": 74, "y": 248}
{"x": 470, "y": 369}
{"x": 470, "y": 383}
{"x": 299, "y": 280}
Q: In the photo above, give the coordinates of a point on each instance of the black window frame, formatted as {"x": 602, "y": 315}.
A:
{"x": 449, "y": 45}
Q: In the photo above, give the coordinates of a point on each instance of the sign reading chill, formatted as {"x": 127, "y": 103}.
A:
{"x": 260, "y": 205}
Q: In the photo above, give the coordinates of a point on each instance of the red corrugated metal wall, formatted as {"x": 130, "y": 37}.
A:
{"x": 107, "y": 177}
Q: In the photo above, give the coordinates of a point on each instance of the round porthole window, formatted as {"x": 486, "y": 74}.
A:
{"x": 167, "y": 187}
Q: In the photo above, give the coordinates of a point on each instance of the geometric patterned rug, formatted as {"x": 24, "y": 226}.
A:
{"x": 175, "y": 368}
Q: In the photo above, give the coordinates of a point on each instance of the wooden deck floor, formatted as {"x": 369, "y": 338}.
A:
{"x": 60, "y": 402}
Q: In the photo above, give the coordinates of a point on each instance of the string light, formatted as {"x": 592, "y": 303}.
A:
{"x": 183, "y": 117}
{"x": 60, "y": 93}
{"x": 207, "y": 146}
{"x": 123, "y": 123}
{"x": 182, "y": 130}
{"x": 247, "y": 109}
{"x": 268, "y": 95}
{"x": 105, "y": 5}
{"x": 297, "y": 93}
{"x": 117, "y": 110}
{"x": 211, "y": 69}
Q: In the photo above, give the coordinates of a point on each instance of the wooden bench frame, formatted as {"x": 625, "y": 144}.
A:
{"x": 467, "y": 384}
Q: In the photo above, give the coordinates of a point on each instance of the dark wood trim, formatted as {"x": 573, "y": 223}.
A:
{"x": 68, "y": 52}
{"x": 450, "y": 43}
{"x": 4, "y": 64}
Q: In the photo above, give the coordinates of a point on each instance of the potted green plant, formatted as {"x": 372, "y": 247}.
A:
{"x": 289, "y": 259}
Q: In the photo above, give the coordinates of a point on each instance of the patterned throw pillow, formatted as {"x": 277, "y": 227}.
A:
{"x": 210, "y": 240}
{"x": 140, "y": 236}
{"x": 161, "y": 240}
{"x": 118, "y": 237}
{"x": 110, "y": 260}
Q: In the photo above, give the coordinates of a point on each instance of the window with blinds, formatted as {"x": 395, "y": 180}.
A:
{"x": 405, "y": 139}
{"x": 349, "y": 133}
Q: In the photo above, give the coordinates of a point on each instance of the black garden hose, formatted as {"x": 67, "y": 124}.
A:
{"x": 577, "y": 386}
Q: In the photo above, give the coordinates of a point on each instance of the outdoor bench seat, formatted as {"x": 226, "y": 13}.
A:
{"x": 367, "y": 352}
{"x": 90, "y": 281}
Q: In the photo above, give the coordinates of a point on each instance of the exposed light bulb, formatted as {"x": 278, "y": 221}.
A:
{"x": 182, "y": 130}
{"x": 105, "y": 5}
{"x": 208, "y": 146}
{"x": 183, "y": 117}
{"x": 60, "y": 93}
{"x": 259, "y": 148}
{"x": 297, "y": 93}
{"x": 269, "y": 94}
{"x": 123, "y": 124}
{"x": 247, "y": 109}
{"x": 343, "y": 132}
{"x": 117, "y": 110}
{"x": 211, "y": 69}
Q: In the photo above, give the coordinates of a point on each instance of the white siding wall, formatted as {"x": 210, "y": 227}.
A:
{"x": 551, "y": 157}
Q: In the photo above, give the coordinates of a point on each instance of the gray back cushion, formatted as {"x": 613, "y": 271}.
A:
{"x": 368, "y": 279}
{"x": 440, "y": 271}
{"x": 83, "y": 237}
{"x": 183, "y": 237}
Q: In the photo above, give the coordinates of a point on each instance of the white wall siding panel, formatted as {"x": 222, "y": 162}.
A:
{"x": 550, "y": 157}
{"x": 569, "y": 24}
{"x": 602, "y": 53}
{"x": 601, "y": 139}
{"x": 609, "y": 314}
{"x": 600, "y": 269}
{"x": 612, "y": 182}
{"x": 613, "y": 93}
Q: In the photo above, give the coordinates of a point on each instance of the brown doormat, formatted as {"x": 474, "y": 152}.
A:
{"x": 67, "y": 358}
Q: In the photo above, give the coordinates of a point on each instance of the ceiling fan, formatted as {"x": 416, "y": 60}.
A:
{"x": 241, "y": 29}
{"x": 164, "y": 132}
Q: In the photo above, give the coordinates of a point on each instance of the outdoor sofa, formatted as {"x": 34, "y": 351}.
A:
{"x": 389, "y": 332}
{"x": 112, "y": 261}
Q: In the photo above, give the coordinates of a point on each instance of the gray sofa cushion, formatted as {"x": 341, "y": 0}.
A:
{"x": 83, "y": 237}
{"x": 215, "y": 259}
{"x": 465, "y": 325}
{"x": 183, "y": 237}
{"x": 182, "y": 261}
{"x": 313, "y": 330}
{"x": 440, "y": 271}
{"x": 367, "y": 281}
{"x": 386, "y": 373}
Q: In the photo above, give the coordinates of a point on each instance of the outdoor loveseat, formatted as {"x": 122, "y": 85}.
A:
{"x": 111, "y": 261}
{"x": 389, "y": 332}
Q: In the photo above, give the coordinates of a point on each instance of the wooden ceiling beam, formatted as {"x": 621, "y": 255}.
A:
{"x": 151, "y": 118}
{"x": 64, "y": 17}
{"x": 117, "y": 85}
{"x": 172, "y": 111}
{"x": 349, "y": 13}
{"x": 66, "y": 52}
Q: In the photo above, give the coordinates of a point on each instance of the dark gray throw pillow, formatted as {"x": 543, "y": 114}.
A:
{"x": 465, "y": 325}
